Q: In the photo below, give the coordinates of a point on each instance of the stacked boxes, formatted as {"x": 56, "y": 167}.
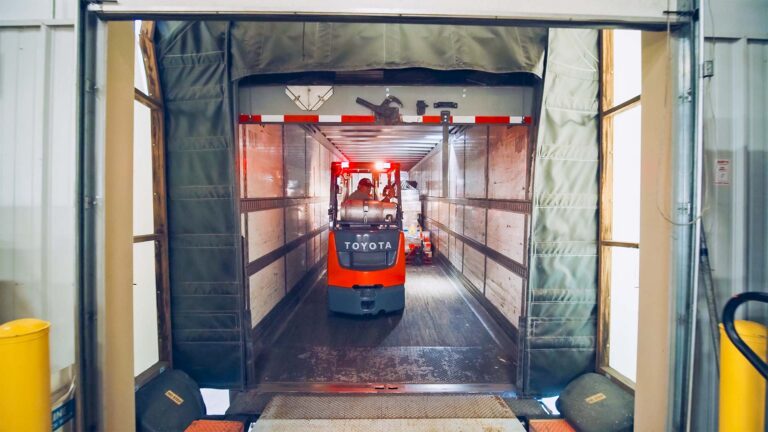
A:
{"x": 411, "y": 207}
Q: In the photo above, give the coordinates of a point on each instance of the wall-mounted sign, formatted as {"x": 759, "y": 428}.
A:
{"x": 62, "y": 414}
{"x": 723, "y": 172}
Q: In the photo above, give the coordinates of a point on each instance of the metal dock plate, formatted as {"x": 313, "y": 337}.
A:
{"x": 371, "y": 413}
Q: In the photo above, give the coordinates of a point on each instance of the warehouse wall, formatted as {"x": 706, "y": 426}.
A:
{"x": 38, "y": 172}
{"x": 735, "y": 204}
{"x": 736, "y": 137}
{"x": 481, "y": 227}
{"x": 285, "y": 184}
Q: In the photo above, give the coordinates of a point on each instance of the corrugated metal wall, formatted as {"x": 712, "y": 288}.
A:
{"x": 736, "y": 133}
{"x": 38, "y": 172}
{"x": 735, "y": 204}
{"x": 285, "y": 175}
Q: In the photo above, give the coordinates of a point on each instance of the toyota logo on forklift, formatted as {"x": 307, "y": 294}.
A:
{"x": 366, "y": 247}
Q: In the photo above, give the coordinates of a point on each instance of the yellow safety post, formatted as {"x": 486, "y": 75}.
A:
{"x": 742, "y": 388}
{"x": 25, "y": 376}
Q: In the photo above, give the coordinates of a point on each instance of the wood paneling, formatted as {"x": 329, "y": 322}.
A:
{"x": 154, "y": 100}
{"x": 474, "y": 223}
{"x": 476, "y": 157}
{"x": 506, "y": 234}
{"x": 504, "y": 290}
{"x": 296, "y": 266}
{"x": 267, "y": 287}
{"x": 262, "y": 162}
{"x": 295, "y": 222}
{"x": 474, "y": 267}
{"x": 443, "y": 213}
{"x": 457, "y": 218}
{"x": 456, "y": 251}
{"x": 265, "y": 232}
{"x": 508, "y": 162}
{"x": 607, "y": 113}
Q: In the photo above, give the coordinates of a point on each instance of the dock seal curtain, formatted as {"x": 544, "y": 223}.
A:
{"x": 200, "y": 60}
{"x": 560, "y": 333}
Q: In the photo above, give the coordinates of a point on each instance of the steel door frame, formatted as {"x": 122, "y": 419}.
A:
{"x": 687, "y": 138}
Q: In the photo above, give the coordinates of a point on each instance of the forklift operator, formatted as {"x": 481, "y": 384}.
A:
{"x": 363, "y": 192}
{"x": 388, "y": 193}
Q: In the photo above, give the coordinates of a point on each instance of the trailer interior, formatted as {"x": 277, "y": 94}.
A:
{"x": 443, "y": 336}
{"x": 496, "y": 136}
{"x": 458, "y": 331}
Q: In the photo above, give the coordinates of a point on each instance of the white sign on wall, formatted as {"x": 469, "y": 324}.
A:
{"x": 723, "y": 172}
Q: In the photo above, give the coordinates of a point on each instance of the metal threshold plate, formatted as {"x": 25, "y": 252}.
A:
{"x": 508, "y": 390}
{"x": 352, "y": 413}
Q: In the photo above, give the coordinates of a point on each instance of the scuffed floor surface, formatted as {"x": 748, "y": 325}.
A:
{"x": 438, "y": 339}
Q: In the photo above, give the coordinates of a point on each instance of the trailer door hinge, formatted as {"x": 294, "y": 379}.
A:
{"x": 90, "y": 86}
{"x": 687, "y": 97}
{"x": 90, "y": 202}
{"x": 684, "y": 208}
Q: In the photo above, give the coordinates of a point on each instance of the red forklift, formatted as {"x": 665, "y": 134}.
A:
{"x": 366, "y": 245}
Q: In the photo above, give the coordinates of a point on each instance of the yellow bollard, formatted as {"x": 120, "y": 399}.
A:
{"x": 25, "y": 376}
{"x": 742, "y": 388}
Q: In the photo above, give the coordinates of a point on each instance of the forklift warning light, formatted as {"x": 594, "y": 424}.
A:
{"x": 383, "y": 165}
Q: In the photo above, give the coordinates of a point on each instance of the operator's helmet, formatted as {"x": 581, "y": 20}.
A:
{"x": 365, "y": 181}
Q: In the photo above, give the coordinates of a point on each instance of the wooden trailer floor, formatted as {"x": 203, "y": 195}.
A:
{"x": 443, "y": 336}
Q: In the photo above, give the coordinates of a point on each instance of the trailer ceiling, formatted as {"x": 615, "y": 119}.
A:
{"x": 404, "y": 144}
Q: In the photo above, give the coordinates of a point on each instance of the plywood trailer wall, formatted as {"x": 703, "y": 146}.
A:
{"x": 285, "y": 175}
{"x": 481, "y": 227}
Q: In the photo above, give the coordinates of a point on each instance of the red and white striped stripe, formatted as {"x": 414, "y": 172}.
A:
{"x": 369, "y": 119}
{"x": 436, "y": 119}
